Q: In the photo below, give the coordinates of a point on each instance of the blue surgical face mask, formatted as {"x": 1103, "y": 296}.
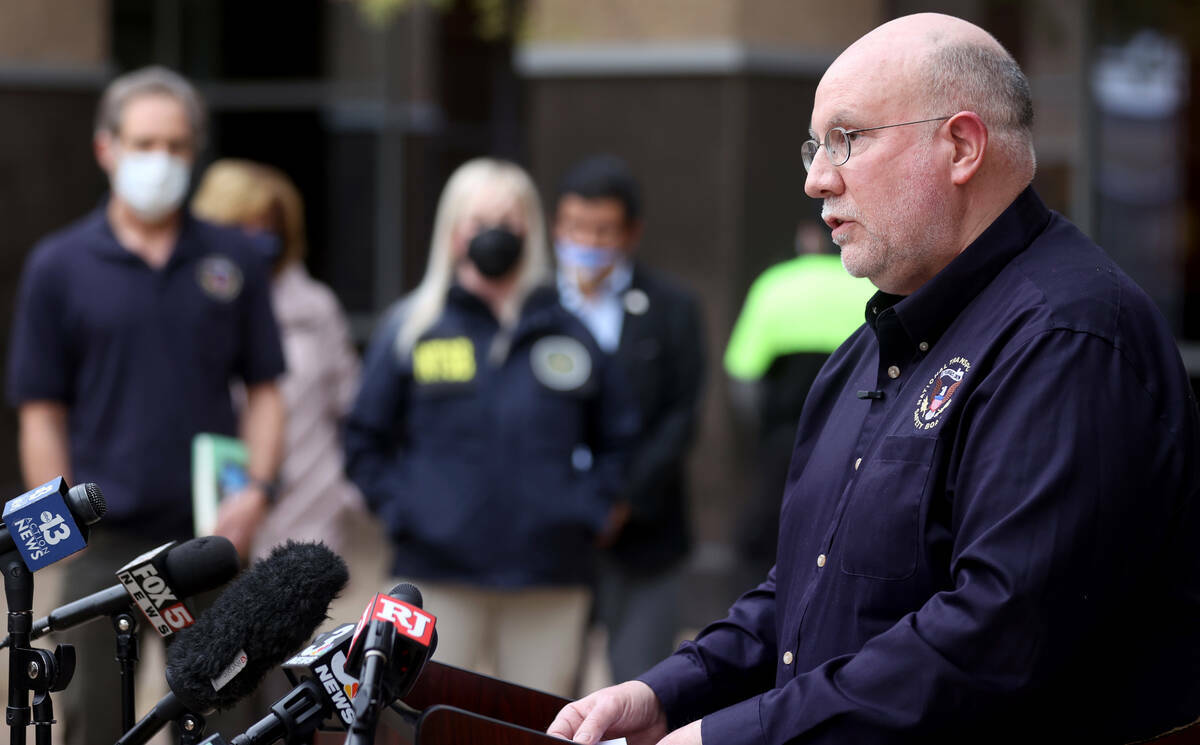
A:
{"x": 586, "y": 263}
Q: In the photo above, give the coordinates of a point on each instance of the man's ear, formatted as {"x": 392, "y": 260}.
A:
{"x": 969, "y": 135}
{"x": 103, "y": 146}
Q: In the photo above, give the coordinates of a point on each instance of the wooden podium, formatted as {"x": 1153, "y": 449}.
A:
{"x": 452, "y": 706}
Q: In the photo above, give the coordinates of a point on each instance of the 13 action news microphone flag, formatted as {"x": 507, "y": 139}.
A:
{"x": 49, "y": 523}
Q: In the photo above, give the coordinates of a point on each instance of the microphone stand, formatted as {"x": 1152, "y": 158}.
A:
{"x": 125, "y": 625}
{"x": 30, "y": 670}
{"x": 18, "y": 590}
{"x": 191, "y": 728}
{"x": 169, "y": 709}
{"x": 58, "y": 669}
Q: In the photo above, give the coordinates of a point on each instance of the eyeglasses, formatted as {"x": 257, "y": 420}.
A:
{"x": 837, "y": 142}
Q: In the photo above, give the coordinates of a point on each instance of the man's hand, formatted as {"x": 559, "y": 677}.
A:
{"x": 240, "y": 515}
{"x": 629, "y": 710}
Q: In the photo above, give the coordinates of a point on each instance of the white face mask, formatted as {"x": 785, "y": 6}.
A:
{"x": 152, "y": 183}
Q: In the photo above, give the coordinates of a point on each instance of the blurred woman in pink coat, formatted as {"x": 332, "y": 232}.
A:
{"x": 314, "y": 501}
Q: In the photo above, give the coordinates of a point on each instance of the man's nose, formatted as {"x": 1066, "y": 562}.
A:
{"x": 823, "y": 177}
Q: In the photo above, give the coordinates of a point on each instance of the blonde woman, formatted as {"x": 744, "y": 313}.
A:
{"x": 489, "y": 436}
{"x": 314, "y": 499}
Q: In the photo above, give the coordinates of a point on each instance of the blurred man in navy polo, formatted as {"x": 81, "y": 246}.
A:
{"x": 130, "y": 325}
{"x": 990, "y": 526}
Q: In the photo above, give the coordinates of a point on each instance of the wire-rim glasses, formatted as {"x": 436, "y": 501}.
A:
{"x": 837, "y": 142}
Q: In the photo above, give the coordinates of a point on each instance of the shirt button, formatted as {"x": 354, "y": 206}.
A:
{"x": 857, "y": 463}
{"x": 821, "y": 560}
{"x": 787, "y": 658}
{"x": 893, "y": 372}
{"x": 923, "y": 346}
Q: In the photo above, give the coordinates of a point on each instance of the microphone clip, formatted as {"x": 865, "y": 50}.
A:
{"x": 873, "y": 395}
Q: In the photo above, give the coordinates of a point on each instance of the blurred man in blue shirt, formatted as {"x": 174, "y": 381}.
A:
{"x": 130, "y": 325}
{"x": 990, "y": 522}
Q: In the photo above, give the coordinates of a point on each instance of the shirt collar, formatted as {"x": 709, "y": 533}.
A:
{"x": 926, "y": 314}
{"x": 108, "y": 244}
{"x": 539, "y": 298}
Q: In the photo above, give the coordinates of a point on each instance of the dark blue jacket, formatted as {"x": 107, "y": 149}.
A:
{"x": 661, "y": 352}
{"x": 1000, "y": 545}
{"x": 493, "y": 459}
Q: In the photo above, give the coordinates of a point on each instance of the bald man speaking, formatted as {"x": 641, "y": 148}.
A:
{"x": 991, "y": 527}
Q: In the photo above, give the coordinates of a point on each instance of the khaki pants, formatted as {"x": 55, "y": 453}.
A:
{"x": 530, "y": 636}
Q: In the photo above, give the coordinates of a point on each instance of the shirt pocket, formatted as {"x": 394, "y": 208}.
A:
{"x": 881, "y": 530}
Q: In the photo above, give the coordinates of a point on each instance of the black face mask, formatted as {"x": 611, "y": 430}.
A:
{"x": 494, "y": 252}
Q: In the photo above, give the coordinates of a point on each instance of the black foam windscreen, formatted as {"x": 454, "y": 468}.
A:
{"x": 261, "y": 619}
{"x": 201, "y": 564}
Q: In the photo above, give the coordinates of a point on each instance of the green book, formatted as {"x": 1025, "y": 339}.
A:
{"x": 218, "y": 470}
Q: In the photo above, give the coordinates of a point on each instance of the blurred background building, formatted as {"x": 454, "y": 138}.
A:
{"x": 369, "y": 104}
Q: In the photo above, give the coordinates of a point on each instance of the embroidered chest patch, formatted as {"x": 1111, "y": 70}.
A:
{"x": 220, "y": 278}
{"x": 939, "y": 392}
{"x": 444, "y": 361}
{"x": 560, "y": 363}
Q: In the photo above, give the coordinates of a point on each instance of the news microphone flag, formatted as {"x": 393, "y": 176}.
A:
{"x": 45, "y": 522}
{"x": 190, "y": 568}
{"x": 325, "y": 662}
{"x": 409, "y": 620}
{"x": 393, "y": 641}
{"x": 144, "y": 578}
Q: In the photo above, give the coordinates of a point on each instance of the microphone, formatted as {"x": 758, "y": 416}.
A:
{"x": 260, "y": 619}
{"x": 49, "y": 523}
{"x": 326, "y": 687}
{"x": 391, "y": 645}
{"x": 182, "y": 570}
{"x": 157, "y": 578}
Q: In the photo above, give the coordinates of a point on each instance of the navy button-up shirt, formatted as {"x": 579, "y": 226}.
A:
{"x": 142, "y": 357}
{"x": 990, "y": 524}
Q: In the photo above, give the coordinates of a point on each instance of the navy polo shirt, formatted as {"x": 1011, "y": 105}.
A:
{"x": 142, "y": 357}
{"x": 990, "y": 525}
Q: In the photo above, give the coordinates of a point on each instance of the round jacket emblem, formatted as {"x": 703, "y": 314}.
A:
{"x": 636, "y": 302}
{"x": 560, "y": 363}
{"x": 939, "y": 392}
{"x": 220, "y": 278}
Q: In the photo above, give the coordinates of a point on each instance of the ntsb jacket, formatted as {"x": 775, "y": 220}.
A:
{"x": 492, "y": 456}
